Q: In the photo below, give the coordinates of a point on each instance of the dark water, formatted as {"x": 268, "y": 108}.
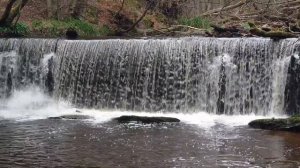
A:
{"x": 54, "y": 143}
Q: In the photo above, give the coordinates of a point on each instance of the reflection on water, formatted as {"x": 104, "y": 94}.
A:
{"x": 63, "y": 143}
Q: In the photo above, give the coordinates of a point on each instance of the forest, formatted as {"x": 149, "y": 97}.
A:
{"x": 104, "y": 18}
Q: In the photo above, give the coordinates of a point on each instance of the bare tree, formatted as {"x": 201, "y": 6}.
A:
{"x": 77, "y": 8}
{"x": 52, "y": 9}
{"x": 58, "y": 9}
{"x": 150, "y": 5}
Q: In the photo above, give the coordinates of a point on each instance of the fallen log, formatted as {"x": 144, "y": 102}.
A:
{"x": 271, "y": 34}
{"x": 173, "y": 31}
{"x": 226, "y": 8}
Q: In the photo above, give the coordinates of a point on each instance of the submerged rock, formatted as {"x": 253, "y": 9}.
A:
{"x": 289, "y": 124}
{"x": 78, "y": 111}
{"x": 71, "y": 117}
{"x": 146, "y": 120}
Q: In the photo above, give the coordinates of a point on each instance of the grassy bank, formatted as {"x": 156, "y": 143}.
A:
{"x": 55, "y": 28}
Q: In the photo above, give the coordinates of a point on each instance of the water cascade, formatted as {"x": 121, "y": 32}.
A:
{"x": 232, "y": 76}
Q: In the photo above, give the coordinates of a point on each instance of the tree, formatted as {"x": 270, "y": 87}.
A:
{"x": 150, "y": 5}
{"x": 52, "y": 9}
{"x": 77, "y": 8}
{"x": 12, "y": 10}
{"x": 60, "y": 9}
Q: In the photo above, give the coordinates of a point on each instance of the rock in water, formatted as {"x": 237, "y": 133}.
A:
{"x": 146, "y": 120}
{"x": 78, "y": 111}
{"x": 290, "y": 124}
{"x": 71, "y": 117}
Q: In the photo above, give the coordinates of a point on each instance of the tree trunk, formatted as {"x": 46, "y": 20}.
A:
{"x": 226, "y": 8}
{"x": 150, "y": 6}
{"x": 52, "y": 8}
{"x": 77, "y": 8}
{"x": 49, "y": 8}
{"x": 7, "y": 12}
{"x": 13, "y": 9}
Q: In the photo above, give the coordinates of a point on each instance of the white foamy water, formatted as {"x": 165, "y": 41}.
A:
{"x": 32, "y": 104}
{"x": 201, "y": 119}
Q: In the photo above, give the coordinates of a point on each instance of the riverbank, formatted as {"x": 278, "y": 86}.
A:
{"x": 133, "y": 18}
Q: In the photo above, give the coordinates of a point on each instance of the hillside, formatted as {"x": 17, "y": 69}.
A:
{"x": 99, "y": 18}
{"x": 102, "y": 18}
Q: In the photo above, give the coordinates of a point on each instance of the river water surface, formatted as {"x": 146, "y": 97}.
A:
{"x": 69, "y": 143}
{"x": 29, "y": 139}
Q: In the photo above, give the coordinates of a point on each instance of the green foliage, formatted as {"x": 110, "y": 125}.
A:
{"x": 197, "y": 22}
{"x": 246, "y": 26}
{"x": 105, "y": 30}
{"x": 295, "y": 119}
{"x": 58, "y": 28}
{"x": 20, "y": 29}
{"x": 147, "y": 22}
{"x": 4, "y": 30}
{"x": 133, "y": 3}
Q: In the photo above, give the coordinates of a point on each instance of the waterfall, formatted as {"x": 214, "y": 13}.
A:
{"x": 217, "y": 75}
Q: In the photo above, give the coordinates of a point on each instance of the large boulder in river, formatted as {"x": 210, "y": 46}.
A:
{"x": 290, "y": 124}
{"x": 146, "y": 120}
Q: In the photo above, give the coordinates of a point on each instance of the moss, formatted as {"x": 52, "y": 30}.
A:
{"x": 246, "y": 26}
{"x": 251, "y": 25}
{"x": 294, "y": 120}
{"x": 274, "y": 34}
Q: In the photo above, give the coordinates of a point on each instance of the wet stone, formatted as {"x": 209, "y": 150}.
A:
{"x": 71, "y": 117}
{"x": 146, "y": 120}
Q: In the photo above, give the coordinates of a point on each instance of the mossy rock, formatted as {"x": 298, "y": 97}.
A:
{"x": 146, "y": 120}
{"x": 290, "y": 124}
{"x": 271, "y": 34}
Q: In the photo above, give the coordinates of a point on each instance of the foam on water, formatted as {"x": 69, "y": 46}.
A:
{"x": 201, "y": 119}
{"x": 33, "y": 104}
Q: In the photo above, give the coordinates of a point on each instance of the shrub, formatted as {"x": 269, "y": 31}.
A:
{"x": 196, "y": 22}
{"x": 20, "y": 29}
{"x": 58, "y": 28}
{"x": 246, "y": 26}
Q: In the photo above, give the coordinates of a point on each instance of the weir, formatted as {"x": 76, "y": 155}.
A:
{"x": 233, "y": 76}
